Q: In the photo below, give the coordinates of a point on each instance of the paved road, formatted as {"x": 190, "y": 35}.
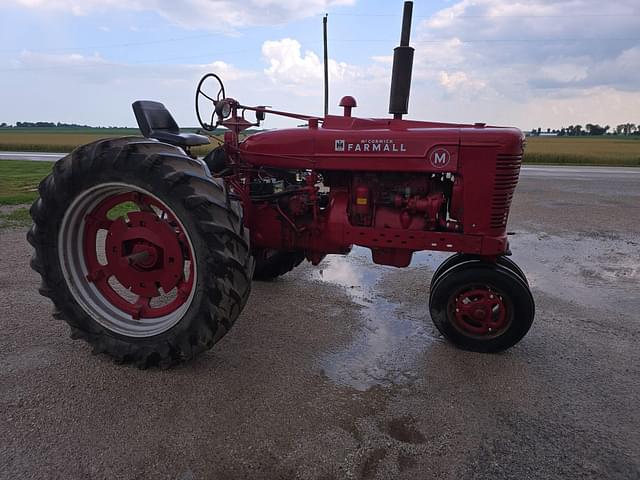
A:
{"x": 336, "y": 372}
{"x": 33, "y": 156}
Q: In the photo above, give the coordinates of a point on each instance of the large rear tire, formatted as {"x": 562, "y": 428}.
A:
{"x": 143, "y": 254}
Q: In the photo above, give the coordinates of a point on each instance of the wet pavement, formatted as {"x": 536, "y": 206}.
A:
{"x": 336, "y": 371}
{"x": 388, "y": 348}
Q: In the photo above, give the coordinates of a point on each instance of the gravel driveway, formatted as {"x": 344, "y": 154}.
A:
{"x": 336, "y": 372}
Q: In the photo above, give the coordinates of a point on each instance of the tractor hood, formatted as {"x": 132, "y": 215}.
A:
{"x": 347, "y": 143}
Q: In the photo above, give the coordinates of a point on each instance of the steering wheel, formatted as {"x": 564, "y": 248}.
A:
{"x": 217, "y": 100}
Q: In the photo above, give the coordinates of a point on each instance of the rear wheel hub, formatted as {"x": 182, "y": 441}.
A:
{"x": 144, "y": 253}
{"x": 135, "y": 270}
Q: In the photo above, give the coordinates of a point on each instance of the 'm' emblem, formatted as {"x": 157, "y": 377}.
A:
{"x": 339, "y": 145}
{"x": 440, "y": 158}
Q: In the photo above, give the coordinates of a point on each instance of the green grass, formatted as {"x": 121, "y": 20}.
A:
{"x": 121, "y": 210}
{"x": 19, "y": 180}
{"x": 16, "y": 218}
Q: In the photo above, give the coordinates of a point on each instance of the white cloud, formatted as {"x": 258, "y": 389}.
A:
{"x": 87, "y": 84}
{"x": 215, "y": 15}
{"x": 289, "y": 67}
{"x": 545, "y": 42}
{"x": 459, "y": 82}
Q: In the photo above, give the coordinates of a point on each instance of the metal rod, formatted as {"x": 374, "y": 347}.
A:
{"x": 326, "y": 65}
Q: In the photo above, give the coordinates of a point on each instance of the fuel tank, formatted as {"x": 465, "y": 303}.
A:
{"x": 349, "y": 143}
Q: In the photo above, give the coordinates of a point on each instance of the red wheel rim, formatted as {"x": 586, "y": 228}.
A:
{"x": 480, "y": 311}
{"x": 146, "y": 252}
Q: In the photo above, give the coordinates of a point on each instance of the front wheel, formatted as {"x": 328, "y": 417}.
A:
{"x": 482, "y": 307}
{"x": 142, "y": 253}
{"x": 458, "y": 258}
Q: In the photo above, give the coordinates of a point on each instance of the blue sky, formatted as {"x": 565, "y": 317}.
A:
{"x": 535, "y": 63}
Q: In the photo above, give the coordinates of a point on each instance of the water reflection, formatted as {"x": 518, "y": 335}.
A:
{"x": 589, "y": 270}
{"x": 387, "y": 348}
{"x": 596, "y": 272}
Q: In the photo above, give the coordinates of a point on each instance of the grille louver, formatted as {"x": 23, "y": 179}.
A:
{"x": 507, "y": 173}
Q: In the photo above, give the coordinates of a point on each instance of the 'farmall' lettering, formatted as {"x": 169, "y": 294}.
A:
{"x": 370, "y": 145}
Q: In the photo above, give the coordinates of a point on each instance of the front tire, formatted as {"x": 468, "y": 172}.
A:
{"x": 481, "y": 307}
{"x": 142, "y": 252}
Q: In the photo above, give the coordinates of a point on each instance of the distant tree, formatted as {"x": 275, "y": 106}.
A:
{"x": 594, "y": 129}
{"x": 3, "y": 125}
{"x": 625, "y": 128}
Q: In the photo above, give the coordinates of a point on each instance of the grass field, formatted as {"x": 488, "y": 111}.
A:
{"x": 65, "y": 140}
{"x": 19, "y": 180}
{"x": 18, "y": 186}
{"x": 607, "y": 150}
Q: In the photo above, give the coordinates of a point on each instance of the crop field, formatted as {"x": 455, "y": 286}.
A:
{"x": 50, "y": 140}
{"x": 606, "y": 150}
{"x": 62, "y": 141}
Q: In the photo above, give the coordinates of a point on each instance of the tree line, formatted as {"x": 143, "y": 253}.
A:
{"x": 590, "y": 129}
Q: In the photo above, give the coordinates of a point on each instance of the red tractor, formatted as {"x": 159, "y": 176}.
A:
{"x": 149, "y": 252}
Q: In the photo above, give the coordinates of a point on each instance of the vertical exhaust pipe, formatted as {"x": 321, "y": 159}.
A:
{"x": 402, "y": 66}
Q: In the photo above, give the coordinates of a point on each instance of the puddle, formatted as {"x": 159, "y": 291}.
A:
{"x": 597, "y": 272}
{"x": 387, "y": 348}
{"x": 602, "y": 273}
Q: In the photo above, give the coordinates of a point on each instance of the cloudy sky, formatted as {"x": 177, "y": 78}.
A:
{"x": 533, "y": 63}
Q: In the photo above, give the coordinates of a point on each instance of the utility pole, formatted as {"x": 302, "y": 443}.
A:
{"x": 326, "y": 65}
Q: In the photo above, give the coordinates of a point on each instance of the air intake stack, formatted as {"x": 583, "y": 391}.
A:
{"x": 402, "y": 66}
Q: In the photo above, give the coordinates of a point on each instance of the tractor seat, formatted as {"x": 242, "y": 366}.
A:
{"x": 155, "y": 121}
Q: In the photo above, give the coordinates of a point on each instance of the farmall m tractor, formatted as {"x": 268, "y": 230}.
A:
{"x": 148, "y": 252}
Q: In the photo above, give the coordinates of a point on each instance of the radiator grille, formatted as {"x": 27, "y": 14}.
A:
{"x": 507, "y": 173}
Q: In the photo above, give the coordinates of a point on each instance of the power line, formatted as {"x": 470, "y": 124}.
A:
{"x": 453, "y": 17}
{"x": 501, "y": 40}
{"x": 112, "y": 45}
{"x": 161, "y": 61}
{"x": 208, "y": 35}
{"x": 439, "y": 40}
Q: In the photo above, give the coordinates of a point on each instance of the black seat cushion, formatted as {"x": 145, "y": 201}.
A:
{"x": 155, "y": 121}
